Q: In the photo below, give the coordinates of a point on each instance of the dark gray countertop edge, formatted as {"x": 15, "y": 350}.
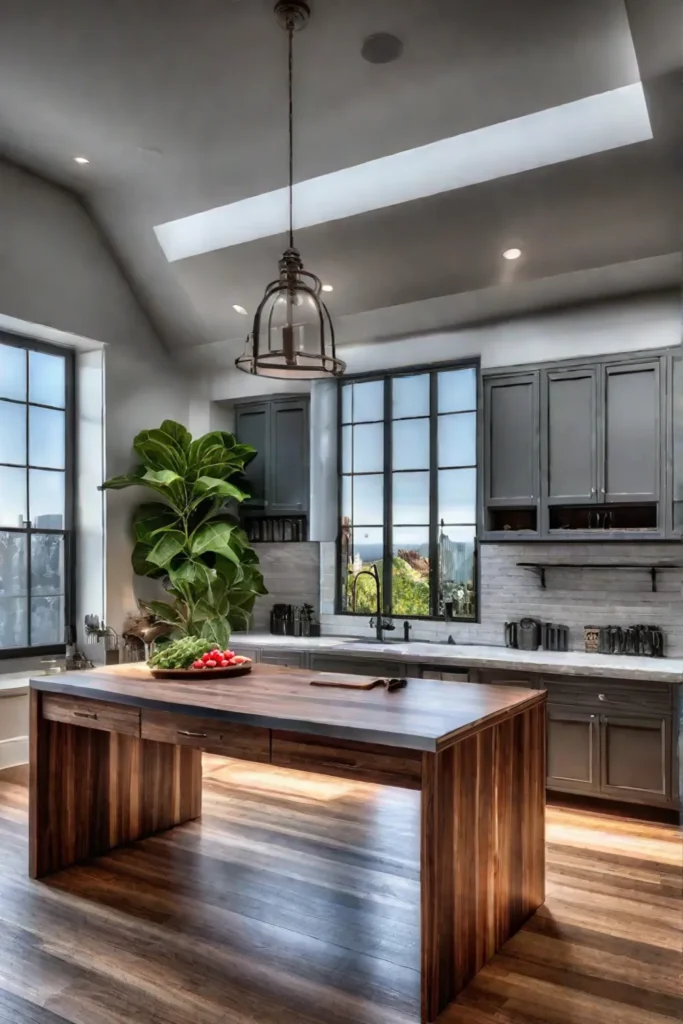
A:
{"x": 342, "y": 732}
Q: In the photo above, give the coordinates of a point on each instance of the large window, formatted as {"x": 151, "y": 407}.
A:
{"x": 408, "y": 492}
{"x": 35, "y": 491}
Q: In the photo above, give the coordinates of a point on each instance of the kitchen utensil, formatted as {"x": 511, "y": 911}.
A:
{"x": 392, "y": 685}
{"x": 511, "y": 631}
{"x": 529, "y": 634}
{"x": 591, "y": 639}
{"x": 195, "y": 675}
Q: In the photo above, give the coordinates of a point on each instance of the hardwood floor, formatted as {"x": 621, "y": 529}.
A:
{"x": 296, "y": 901}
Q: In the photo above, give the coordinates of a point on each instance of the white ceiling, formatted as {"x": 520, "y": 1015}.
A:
{"x": 181, "y": 107}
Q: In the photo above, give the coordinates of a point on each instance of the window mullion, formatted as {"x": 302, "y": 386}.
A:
{"x": 388, "y": 539}
{"x": 433, "y": 494}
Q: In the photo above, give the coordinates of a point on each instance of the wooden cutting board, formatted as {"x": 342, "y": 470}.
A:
{"x": 349, "y": 684}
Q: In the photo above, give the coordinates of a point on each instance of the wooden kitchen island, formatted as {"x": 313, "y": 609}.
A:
{"x": 116, "y": 755}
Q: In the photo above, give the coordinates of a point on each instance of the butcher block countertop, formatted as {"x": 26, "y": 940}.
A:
{"x": 427, "y": 715}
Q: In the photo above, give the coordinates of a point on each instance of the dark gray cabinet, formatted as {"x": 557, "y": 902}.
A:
{"x": 356, "y": 666}
{"x": 278, "y": 477}
{"x": 631, "y": 432}
{"x": 573, "y": 750}
{"x": 636, "y": 758}
{"x": 675, "y": 465}
{"x": 569, "y": 431}
{"x": 290, "y": 659}
{"x": 511, "y": 455}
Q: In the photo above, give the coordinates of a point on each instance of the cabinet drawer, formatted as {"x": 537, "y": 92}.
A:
{"x": 505, "y": 677}
{"x": 248, "y": 743}
{"x": 356, "y": 666}
{"x": 290, "y": 659}
{"x": 610, "y": 693}
{"x": 92, "y": 714}
{"x": 362, "y": 762}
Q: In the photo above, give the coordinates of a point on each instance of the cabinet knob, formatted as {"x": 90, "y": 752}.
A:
{"x": 601, "y": 696}
{"x": 592, "y": 716}
{"x": 592, "y": 490}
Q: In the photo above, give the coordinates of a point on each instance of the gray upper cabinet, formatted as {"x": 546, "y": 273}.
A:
{"x": 631, "y": 432}
{"x": 278, "y": 478}
{"x": 511, "y": 439}
{"x": 569, "y": 430}
{"x": 252, "y": 427}
{"x": 676, "y": 445}
{"x": 289, "y": 462}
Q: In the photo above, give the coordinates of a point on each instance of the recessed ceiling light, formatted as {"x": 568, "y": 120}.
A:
{"x": 328, "y": 288}
{"x": 81, "y": 160}
{"x": 240, "y": 309}
{"x": 512, "y": 254}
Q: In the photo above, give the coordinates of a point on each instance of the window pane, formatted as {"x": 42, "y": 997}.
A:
{"x": 12, "y": 496}
{"x": 368, "y": 448}
{"x": 458, "y": 439}
{"x": 410, "y": 571}
{"x": 457, "y": 390}
{"x": 347, "y": 449}
{"x": 46, "y": 499}
{"x": 13, "y": 433}
{"x": 366, "y": 549}
{"x": 347, "y": 403}
{"x": 47, "y": 620}
{"x": 411, "y": 444}
{"x": 46, "y": 446}
{"x": 457, "y": 495}
{"x": 346, "y": 499}
{"x": 368, "y": 401}
{"x": 368, "y": 500}
{"x": 47, "y": 564}
{"x": 13, "y": 622}
{"x": 410, "y": 396}
{"x": 411, "y": 498}
{"x": 12, "y": 372}
{"x": 13, "y": 580}
{"x": 456, "y": 571}
{"x": 46, "y": 379}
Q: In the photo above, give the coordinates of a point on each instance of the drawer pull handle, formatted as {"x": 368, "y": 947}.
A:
{"x": 601, "y": 696}
{"x": 340, "y": 764}
{"x": 85, "y": 714}
{"x": 186, "y": 732}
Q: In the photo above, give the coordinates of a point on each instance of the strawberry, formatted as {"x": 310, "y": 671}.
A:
{"x": 224, "y": 662}
{"x": 228, "y": 654}
{"x": 198, "y": 664}
{"x": 211, "y": 663}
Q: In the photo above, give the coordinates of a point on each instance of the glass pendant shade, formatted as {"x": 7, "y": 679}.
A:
{"x": 292, "y": 335}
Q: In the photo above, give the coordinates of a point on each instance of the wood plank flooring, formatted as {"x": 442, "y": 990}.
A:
{"x": 296, "y": 901}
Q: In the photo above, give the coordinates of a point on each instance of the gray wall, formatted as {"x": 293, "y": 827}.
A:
{"x": 575, "y": 597}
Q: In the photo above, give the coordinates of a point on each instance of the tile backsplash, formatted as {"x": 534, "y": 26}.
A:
{"x": 292, "y": 576}
{"x": 575, "y": 597}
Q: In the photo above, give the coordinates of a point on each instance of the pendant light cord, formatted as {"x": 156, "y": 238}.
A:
{"x": 290, "y": 32}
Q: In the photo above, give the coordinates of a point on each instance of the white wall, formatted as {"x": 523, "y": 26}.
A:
{"x": 60, "y": 282}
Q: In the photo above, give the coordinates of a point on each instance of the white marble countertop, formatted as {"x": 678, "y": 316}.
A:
{"x": 565, "y": 663}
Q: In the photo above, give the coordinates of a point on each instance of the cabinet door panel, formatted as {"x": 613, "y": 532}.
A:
{"x": 356, "y": 666}
{"x": 676, "y": 385}
{"x": 511, "y": 438}
{"x": 290, "y": 659}
{"x": 636, "y": 758}
{"x": 572, "y": 750}
{"x": 252, "y": 427}
{"x": 571, "y": 436}
{"x": 632, "y": 432}
{"x": 289, "y": 473}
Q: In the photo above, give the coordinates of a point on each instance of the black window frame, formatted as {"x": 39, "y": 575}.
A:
{"x": 387, "y": 376}
{"x": 68, "y": 530}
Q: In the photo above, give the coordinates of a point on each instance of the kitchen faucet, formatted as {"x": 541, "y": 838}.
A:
{"x": 376, "y": 621}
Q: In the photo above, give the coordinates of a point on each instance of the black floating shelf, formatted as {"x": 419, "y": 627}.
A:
{"x": 540, "y": 568}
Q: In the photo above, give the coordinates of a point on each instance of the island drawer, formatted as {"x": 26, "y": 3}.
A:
{"x": 362, "y": 762}
{"x": 91, "y": 714}
{"x": 249, "y": 743}
{"x": 624, "y": 695}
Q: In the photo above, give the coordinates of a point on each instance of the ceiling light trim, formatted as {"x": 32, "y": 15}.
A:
{"x": 594, "y": 124}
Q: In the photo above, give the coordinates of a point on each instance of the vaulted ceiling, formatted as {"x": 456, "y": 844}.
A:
{"x": 180, "y": 108}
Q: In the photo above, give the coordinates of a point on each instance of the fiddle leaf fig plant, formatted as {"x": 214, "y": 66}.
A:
{"x": 188, "y": 538}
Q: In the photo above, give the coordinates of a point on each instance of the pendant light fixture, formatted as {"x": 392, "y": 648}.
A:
{"x": 292, "y": 335}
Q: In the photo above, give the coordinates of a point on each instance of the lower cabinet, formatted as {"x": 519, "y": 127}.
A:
{"x": 290, "y": 659}
{"x": 573, "y": 755}
{"x": 623, "y": 757}
{"x": 356, "y": 666}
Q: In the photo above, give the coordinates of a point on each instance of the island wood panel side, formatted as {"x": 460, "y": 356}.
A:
{"x": 92, "y": 790}
{"x": 482, "y": 850}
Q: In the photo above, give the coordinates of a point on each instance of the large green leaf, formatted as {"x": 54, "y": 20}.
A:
{"x": 228, "y": 570}
{"x": 150, "y": 517}
{"x": 158, "y": 451}
{"x": 217, "y": 630}
{"x": 164, "y": 612}
{"x": 167, "y": 547}
{"x": 141, "y": 564}
{"x": 215, "y": 537}
{"x": 117, "y": 483}
{"x": 191, "y": 572}
{"x": 162, "y": 477}
{"x": 212, "y": 485}
{"x": 177, "y": 433}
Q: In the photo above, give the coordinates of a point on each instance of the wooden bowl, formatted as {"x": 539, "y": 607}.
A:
{"x": 197, "y": 674}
